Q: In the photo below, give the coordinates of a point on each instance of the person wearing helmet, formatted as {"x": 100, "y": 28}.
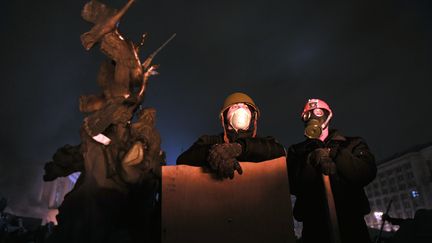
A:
{"x": 348, "y": 163}
{"x": 237, "y": 142}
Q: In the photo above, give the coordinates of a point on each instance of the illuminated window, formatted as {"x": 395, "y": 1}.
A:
{"x": 414, "y": 194}
{"x": 378, "y": 215}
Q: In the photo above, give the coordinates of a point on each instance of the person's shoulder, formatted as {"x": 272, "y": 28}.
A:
{"x": 210, "y": 139}
{"x": 339, "y": 137}
{"x": 355, "y": 140}
{"x": 298, "y": 147}
{"x": 270, "y": 138}
{"x": 299, "y": 144}
{"x": 355, "y": 143}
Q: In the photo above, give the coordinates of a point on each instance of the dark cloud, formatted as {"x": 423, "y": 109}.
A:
{"x": 371, "y": 60}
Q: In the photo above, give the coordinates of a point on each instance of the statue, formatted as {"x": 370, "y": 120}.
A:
{"x": 116, "y": 198}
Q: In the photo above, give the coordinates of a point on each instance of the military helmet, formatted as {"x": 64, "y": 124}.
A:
{"x": 239, "y": 97}
{"x": 312, "y": 105}
{"x": 315, "y": 104}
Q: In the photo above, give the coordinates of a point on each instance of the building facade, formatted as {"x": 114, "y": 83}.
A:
{"x": 52, "y": 194}
{"x": 406, "y": 181}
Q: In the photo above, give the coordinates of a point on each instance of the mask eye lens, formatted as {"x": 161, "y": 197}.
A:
{"x": 318, "y": 112}
{"x": 306, "y": 116}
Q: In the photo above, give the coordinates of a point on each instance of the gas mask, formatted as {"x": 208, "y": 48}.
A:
{"x": 239, "y": 117}
{"x": 315, "y": 121}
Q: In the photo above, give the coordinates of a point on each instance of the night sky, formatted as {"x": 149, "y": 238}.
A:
{"x": 370, "y": 60}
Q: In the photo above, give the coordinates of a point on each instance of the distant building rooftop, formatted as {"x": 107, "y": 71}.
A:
{"x": 415, "y": 148}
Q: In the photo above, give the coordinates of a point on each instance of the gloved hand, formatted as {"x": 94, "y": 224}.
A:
{"x": 321, "y": 157}
{"x": 222, "y": 159}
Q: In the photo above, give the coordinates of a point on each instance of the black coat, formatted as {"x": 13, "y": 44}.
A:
{"x": 255, "y": 149}
{"x": 355, "y": 168}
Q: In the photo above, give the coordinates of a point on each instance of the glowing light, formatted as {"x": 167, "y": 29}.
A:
{"x": 415, "y": 193}
{"x": 378, "y": 215}
{"x": 102, "y": 139}
{"x": 50, "y": 217}
{"x": 74, "y": 177}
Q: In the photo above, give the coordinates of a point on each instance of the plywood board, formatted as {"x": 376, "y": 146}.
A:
{"x": 253, "y": 207}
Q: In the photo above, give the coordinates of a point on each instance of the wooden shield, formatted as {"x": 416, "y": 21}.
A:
{"x": 253, "y": 207}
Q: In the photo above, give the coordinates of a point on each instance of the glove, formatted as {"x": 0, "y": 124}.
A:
{"x": 320, "y": 157}
{"x": 222, "y": 159}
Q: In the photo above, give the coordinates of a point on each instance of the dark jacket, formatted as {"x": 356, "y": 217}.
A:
{"x": 355, "y": 168}
{"x": 255, "y": 149}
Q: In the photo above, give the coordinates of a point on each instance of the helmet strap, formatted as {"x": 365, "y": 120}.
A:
{"x": 226, "y": 140}
{"x": 255, "y": 125}
{"x": 325, "y": 124}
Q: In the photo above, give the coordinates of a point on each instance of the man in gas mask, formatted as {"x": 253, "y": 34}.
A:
{"x": 238, "y": 142}
{"x": 327, "y": 156}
